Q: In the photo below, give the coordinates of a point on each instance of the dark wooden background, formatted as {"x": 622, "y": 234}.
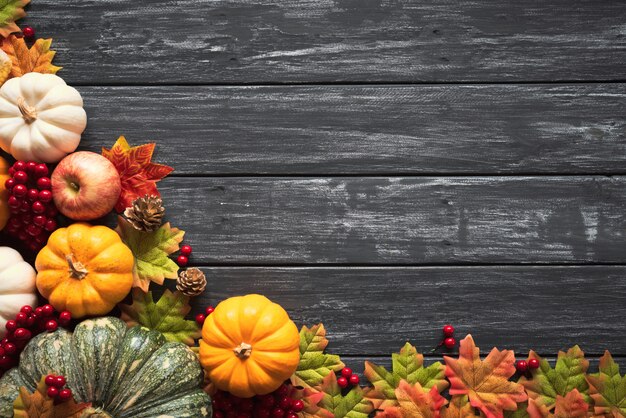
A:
{"x": 383, "y": 166}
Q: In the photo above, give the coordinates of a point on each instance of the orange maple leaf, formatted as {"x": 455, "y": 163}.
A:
{"x": 414, "y": 402}
{"x": 485, "y": 382}
{"x": 39, "y": 405}
{"x": 571, "y": 405}
{"x": 459, "y": 407}
{"x": 37, "y": 59}
{"x": 10, "y": 11}
{"x": 137, "y": 173}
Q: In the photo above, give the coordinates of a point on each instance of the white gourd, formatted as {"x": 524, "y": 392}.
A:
{"x": 41, "y": 118}
{"x": 17, "y": 285}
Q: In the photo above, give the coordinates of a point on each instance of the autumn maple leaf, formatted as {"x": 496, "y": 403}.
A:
{"x": 608, "y": 388}
{"x": 485, "y": 382}
{"x": 37, "y": 59}
{"x": 39, "y": 405}
{"x": 459, "y": 407}
{"x": 413, "y": 402}
{"x": 10, "y": 11}
{"x": 571, "y": 405}
{"x": 138, "y": 173}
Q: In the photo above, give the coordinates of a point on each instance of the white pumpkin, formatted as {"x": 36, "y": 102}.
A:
{"x": 17, "y": 285}
{"x": 41, "y": 118}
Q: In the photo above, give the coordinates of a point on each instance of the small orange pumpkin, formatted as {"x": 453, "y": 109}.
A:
{"x": 4, "y": 193}
{"x": 249, "y": 346}
{"x": 84, "y": 269}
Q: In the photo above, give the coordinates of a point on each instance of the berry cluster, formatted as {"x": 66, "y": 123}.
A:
{"x": 448, "y": 337}
{"x": 278, "y": 404}
{"x": 524, "y": 367}
{"x": 33, "y": 214}
{"x": 347, "y": 378}
{"x": 56, "y": 389}
{"x": 200, "y": 318}
{"x": 183, "y": 258}
{"x": 28, "y": 323}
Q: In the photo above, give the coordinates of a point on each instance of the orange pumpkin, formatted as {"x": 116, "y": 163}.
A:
{"x": 84, "y": 269}
{"x": 249, "y": 346}
{"x": 4, "y": 193}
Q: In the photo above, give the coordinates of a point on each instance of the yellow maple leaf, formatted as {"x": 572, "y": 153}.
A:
{"x": 413, "y": 402}
{"x": 459, "y": 407}
{"x": 37, "y": 59}
{"x": 485, "y": 382}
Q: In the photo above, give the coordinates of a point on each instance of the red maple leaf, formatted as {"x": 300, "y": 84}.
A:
{"x": 138, "y": 173}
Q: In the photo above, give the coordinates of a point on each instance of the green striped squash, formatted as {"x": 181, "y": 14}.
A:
{"x": 124, "y": 372}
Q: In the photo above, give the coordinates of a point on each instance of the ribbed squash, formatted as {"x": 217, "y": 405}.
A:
{"x": 84, "y": 269}
{"x": 249, "y": 346}
{"x": 124, "y": 372}
{"x": 4, "y": 193}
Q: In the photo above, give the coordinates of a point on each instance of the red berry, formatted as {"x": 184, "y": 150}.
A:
{"x": 50, "y": 380}
{"x": 65, "y": 395}
{"x": 283, "y": 390}
{"x": 19, "y": 166}
{"x": 448, "y": 330}
{"x": 41, "y": 170}
{"x": 297, "y": 406}
{"x": 53, "y": 392}
{"x": 30, "y": 166}
{"x": 10, "y": 348}
{"x": 44, "y": 183}
{"x": 22, "y": 334}
{"x": 32, "y": 195}
{"x": 342, "y": 382}
{"x": 19, "y": 190}
{"x": 449, "y": 343}
{"x": 34, "y": 230}
{"x": 59, "y": 381}
{"x": 521, "y": 366}
{"x": 39, "y": 311}
{"x": 21, "y": 318}
{"x": 284, "y": 403}
{"x": 40, "y": 220}
{"x": 209, "y": 310}
{"x": 346, "y": 372}
{"x": 182, "y": 260}
{"x": 278, "y": 413}
{"x": 64, "y": 318}
{"x": 533, "y": 364}
{"x": 47, "y": 310}
{"x": 52, "y": 325}
{"x": 186, "y": 250}
{"x": 14, "y": 202}
{"x": 45, "y": 196}
{"x": 50, "y": 225}
{"x": 20, "y": 177}
{"x": 200, "y": 318}
{"x": 354, "y": 380}
{"x": 9, "y": 184}
{"x": 11, "y": 325}
{"x": 292, "y": 415}
{"x": 38, "y": 207}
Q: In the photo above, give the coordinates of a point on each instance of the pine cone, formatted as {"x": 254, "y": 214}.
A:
{"x": 146, "y": 213}
{"x": 191, "y": 282}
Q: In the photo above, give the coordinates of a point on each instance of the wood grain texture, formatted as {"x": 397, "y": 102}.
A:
{"x": 262, "y": 41}
{"x": 374, "y": 311}
{"x": 401, "y": 220}
{"x": 488, "y": 129}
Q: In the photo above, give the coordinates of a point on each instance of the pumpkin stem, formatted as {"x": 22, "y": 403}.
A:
{"x": 243, "y": 351}
{"x": 28, "y": 113}
{"x": 77, "y": 269}
{"x": 94, "y": 413}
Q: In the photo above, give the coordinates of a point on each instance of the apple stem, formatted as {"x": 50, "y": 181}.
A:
{"x": 28, "y": 113}
{"x": 77, "y": 269}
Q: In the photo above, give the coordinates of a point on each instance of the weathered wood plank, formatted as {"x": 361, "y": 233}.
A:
{"x": 401, "y": 220}
{"x": 368, "y": 130}
{"x": 371, "y": 311}
{"x": 234, "y": 41}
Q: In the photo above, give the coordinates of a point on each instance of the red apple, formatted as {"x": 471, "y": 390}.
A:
{"x": 85, "y": 186}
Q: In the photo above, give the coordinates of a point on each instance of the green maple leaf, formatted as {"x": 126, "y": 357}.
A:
{"x": 608, "y": 388}
{"x": 334, "y": 404}
{"x": 10, "y": 11}
{"x": 151, "y": 251}
{"x": 314, "y": 364}
{"x": 166, "y": 316}
{"x": 568, "y": 374}
{"x": 407, "y": 365}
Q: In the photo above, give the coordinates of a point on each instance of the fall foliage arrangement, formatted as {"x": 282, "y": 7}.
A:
{"x": 64, "y": 353}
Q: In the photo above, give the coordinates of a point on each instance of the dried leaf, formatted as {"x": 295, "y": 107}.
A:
{"x": 334, "y": 405}
{"x": 407, "y": 365}
{"x": 608, "y": 388}
{"x": 10, "y": 11}
{"x": 151, "y": 251}
{"x": 485, "y": 382}
{"x": 314, "y": 364}
{"x": 568, "y": 374}
{"x": 39, "y": 405}
{"x": 138, "y": 174}
{"x": 6, "y": 66}
{"x": 414, "y": 402}
{"x": 166, "y": 316}
{"x": 37, "y": 59}
{"x": 459, "y": 407}
{"x": 571, "y": 405}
